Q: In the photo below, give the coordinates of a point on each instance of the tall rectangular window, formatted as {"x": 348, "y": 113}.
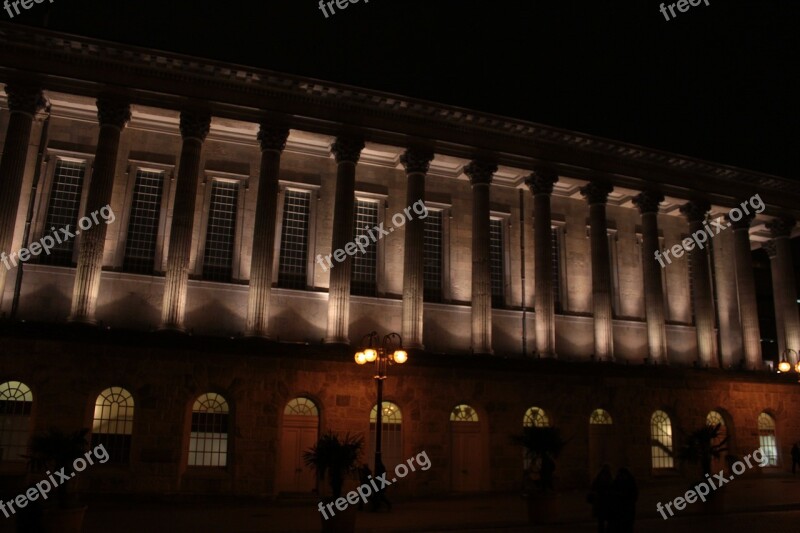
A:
{"x": 140, "y": 245}
{"x": 433, "y": 257}
{"x": 62, "y": 211}
{"x": 496, "y": 264}
{"x": 556, "y": 259}
{"x": 293, "y": 261}
{"x": 364, "y": 278}
{"x": 220, "y": 237}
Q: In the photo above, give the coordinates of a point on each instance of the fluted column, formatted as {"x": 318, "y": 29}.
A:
{"x": 647, "y": 202}
{"x": 347, "y": 151}
{"x": 695, "y": 212}
{"x": 596, "y": 194}
{"x": 112, "y": 115}
{"x": 777, "y": 294}
{"x": 480, "y": 177}
{"x": 541, "y": 183}
{"x": 416, "y": 163}
{"x": 23, "y": 103}
{"x": 730, "y": 327}
{"x": 784, "y": 284}
{"x": 273, "y": 141}
{"x": 745, "y": 283}
{"x": 194, "y": 128}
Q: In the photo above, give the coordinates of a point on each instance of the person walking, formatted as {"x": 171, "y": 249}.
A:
{"x": 795, "y": 458}
{"x": 624, "y": 494}
{"x": 599, "y": 497}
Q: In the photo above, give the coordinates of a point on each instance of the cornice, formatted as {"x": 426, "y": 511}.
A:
{"x": 85, "y": 66}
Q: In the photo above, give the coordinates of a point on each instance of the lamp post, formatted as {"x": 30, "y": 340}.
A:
{"x": 382, "y": 354}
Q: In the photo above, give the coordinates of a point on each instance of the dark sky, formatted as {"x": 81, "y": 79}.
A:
{"x": 718, "y": 82}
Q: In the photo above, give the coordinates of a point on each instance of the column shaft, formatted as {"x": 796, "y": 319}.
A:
{"x": 730, "y": 329}
{"x": 777, "y": 295}
{"x": 347, "y": 152}
{"x": 748, "y": 304}
{"x": 273, "y": 141}
{"x": 541, "y": 183}
{"x": 785, "y": 284}
{"x": 112, "y": 116}
{"x": 596, "y": 194}
{"x": 194, "y": 128}
{"x": 653, "y": 290}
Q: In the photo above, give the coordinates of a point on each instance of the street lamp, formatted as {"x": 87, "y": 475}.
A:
{"x": 785, "y": 366}
{"x": 389, "y": 351}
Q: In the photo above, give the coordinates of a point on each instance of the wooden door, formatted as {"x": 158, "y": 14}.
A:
{"x": 298, "y": 435}
{"x": 466, "y": 456}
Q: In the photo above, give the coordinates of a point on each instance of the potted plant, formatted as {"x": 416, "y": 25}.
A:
{"x": 542, "y": 447}
{"x": 335, "y": 460}
{"x": 701, "y": 447}
{"x": 51, "y": 452}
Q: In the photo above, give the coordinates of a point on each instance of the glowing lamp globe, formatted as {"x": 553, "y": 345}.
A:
{"x": 784, "y": 366}
{"x": 361, "y": 358}
{"x": 370, "y": 354}
{"x": 400, "y": 357}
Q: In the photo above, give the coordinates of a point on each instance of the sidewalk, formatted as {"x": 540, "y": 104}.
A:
{"x": 478, "y": 513}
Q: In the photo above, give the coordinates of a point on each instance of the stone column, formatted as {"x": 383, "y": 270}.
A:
{"x": 273, "y": 141}
{"x": 23, "y": 103}
{"x": 730, "y": 327}
{"x": 194, "y": 128}
{"x": 777, "y": 295}
{"x": 695, "y": 212}
{"x": 541, "y": 183}
{"x": 596, "y": 194}
{"x": 784, "y": 285}
{"x": 112, "y": 115}
{"x": 416, "y": 163}
{"x": 480, "y": 177}
{"x": 347, "y": 151}
{"x": 745, "y": 283}
{"x": 647, "y": 202}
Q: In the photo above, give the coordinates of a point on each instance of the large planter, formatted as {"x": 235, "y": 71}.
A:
{"x": 342, "y": 521}
{"x": 542, "y": 507}
{"x": 63, "y": 520}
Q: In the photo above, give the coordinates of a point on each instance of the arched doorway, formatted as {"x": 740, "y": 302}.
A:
{"x": 466, "y": 449}
{"x": 391, "y": 435}
{"x": 299, "y": 433}
{"x": 601, "y": 445}
{"x": 715, "y": 418}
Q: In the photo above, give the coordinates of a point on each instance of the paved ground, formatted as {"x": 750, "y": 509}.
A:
{"x": 752, "y": 505}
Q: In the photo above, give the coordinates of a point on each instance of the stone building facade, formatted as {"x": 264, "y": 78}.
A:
{"x": 197, "y": 327}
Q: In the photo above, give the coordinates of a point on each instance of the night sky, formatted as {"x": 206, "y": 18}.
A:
{"x": 717, "y": 82}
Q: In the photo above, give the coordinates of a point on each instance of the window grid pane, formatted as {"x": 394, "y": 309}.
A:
{"x": 218, "y": 260}
{"x": 302, "y": 407}
{"x": 535, "y": 417}
{"x": 140, "y": 245}
{"x": 16, "y": 402}
{"x": 113, "y": 423}
{"x": 65, "y": 201}
{"x": 766, "y": 438}
{"x": 556, "y": 259}
{"x": 293, "y": 262}
{"x": 661, "y": 433}
{"x": 433, "y": 252}
{"x": 391, "y": 434}
{"x": 365, "y": 266}
{"x": 601, "y": 417}
{"x": 208, "y": 440}
{"x": 496, "y": 268}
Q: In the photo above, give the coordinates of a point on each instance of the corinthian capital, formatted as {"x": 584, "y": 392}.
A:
{"x": 111, "y": 112}
{"x": 771, "y": 248}
{"x": 480, "y": 172}
{"x": 596, "y": 192}
{"x": 648, "y": 201}
{"x": 743, "y": 222}
{"x": 417, "y": 160}
{"x": 347, "y": 149}
{"x": 541, "y": 180}
{"x": 24, "y": 98}
{"x": 781, "y": 227}
{"x": 272, "y": 137}
{"x": 195, "y": 125}
{"x": 695, "y": 210}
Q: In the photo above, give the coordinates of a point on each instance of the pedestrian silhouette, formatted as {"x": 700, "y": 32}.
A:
{"x": 795, "y": 458}
{"x": 599, "y": 497}
{"x": 624, "y": 495}
{"x": 364, "y": 474}
{"x": 380, "y": 496}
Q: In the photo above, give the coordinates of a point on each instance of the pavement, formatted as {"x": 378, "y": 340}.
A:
{"x": 751, "y": 504}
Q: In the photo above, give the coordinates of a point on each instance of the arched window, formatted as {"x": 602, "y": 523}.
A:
{"x": 208, "y": 441}
{"x": 601, "y": 417}
{"x": 535, "y": 417}
{"x": 113, "y": 423}
{"x": 463, "y": 413}
{"x": 16, "y": 401}
{"x": 302, "y": 407}
{"x": 661, "y": 440}
{"x": 766, "y": 438}
{"x": 391, "y": 434}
